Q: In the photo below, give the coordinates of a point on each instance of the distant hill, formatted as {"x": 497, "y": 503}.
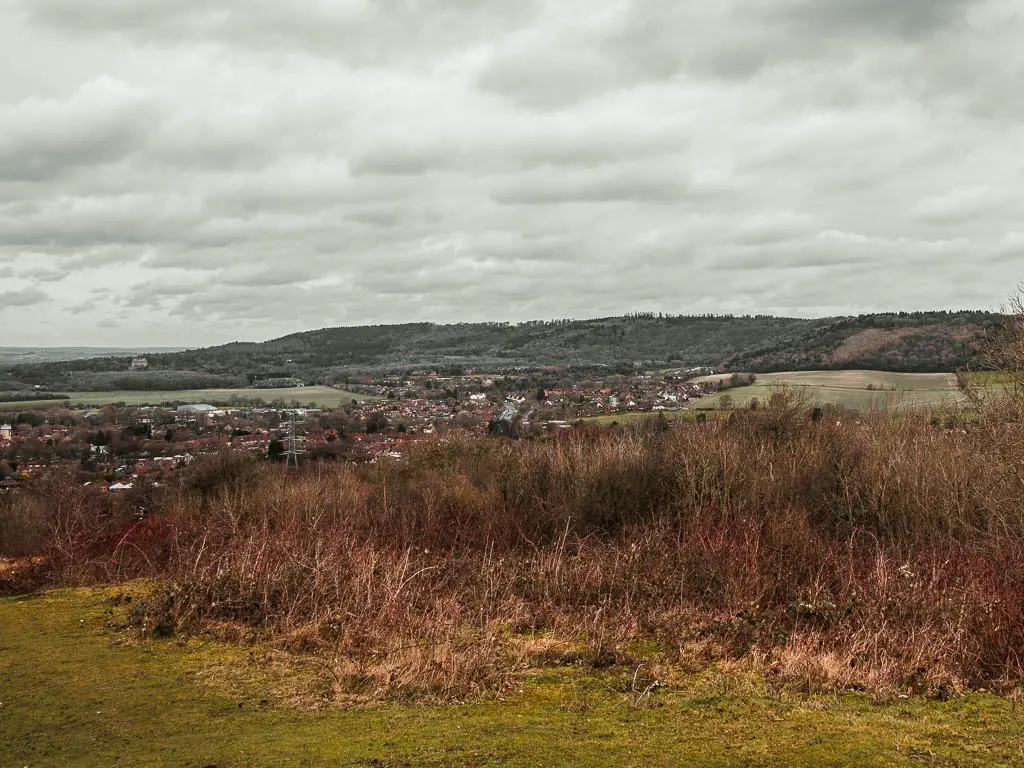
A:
{"x": 913, "y": 342}
{"x": 29, "y": 355}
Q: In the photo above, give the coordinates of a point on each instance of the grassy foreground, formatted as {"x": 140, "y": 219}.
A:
{"x": 75, "y": 692}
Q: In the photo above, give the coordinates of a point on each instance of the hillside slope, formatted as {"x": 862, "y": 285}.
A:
{"x": 921, "y": 341}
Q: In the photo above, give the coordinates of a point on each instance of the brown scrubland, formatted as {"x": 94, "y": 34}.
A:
{"x": 816, "y": 551}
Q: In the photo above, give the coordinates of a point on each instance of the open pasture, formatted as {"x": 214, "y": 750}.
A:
{"x": 325, "y": 397}
{"x": 857, "y": 390}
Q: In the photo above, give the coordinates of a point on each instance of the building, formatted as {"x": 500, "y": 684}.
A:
{"x": 5, "y": 432}
{"x": 188, "y": 414}
{"x": 198, "y": 408}
{"x": 139, "y": 363}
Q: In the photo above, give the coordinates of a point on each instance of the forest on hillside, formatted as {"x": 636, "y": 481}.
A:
{"x": 906, "y": 341}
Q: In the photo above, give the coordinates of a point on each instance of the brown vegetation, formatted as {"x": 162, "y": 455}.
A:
{"x": 882, "y": 555}
{"x": 885, "y": 554}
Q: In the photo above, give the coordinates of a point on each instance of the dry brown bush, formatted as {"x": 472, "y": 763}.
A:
{"x": 878, "y": 553}
{"x": 872, "y": 555}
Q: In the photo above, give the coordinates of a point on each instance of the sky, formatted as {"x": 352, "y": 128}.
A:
{"x": 190, "y": 173}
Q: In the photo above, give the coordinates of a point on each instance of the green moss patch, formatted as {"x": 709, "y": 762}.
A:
{"x": 76, "y": 691}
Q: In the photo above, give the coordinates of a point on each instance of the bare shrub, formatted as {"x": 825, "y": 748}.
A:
{"x": 881, "y": 553}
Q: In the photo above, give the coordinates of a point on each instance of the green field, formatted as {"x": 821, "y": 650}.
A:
{"x": 326, "y": 397}
{"x": 75, "y": 691}
{"x": 849, "y": 389}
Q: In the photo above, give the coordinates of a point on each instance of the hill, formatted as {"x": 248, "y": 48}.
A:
{"x": 911, "y": 342}
{"x": 29, "y": 355}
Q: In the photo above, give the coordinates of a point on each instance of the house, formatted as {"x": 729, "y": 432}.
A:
{"x": 139, "y": 363}
{"x": 5, "y": 432}
{"x": 508, "y": 414}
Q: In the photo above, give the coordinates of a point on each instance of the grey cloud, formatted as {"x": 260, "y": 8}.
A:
{"x": 198, "y": 260}
{"x": 100, "y": 257}
{"x": 155, "y": 293}
{"x": 85, "y": 306}
{"x": 658, "y": 42}
{"x": 25, "y": 297}
{"x": 97, "y": 223}
{"x": 739, "y": 39}
{"x": 906, "y": 17}
{"x": 283, "y": 274}
{"x": 558, "y": 144}
{"x": 116, "y": 15}
{"x": 596, "y": 146}
{"x": 1010, "y": 248}
{"x": 44, "y": 274}
{"x": 237, "y": 303}
{"x": 616, "y": 185}
{"x": 836, "y": 251}
{"x": 104, "y": 121}
{"x": 404, "y": 160}
{"x": 254, "y": 168}
{"x": 956, "y": 206}
{"x": 552, "y": 78}
{"x": 354, "y": 30}
{"x": 774, "y": 227}
{"x": 651, "y": 42}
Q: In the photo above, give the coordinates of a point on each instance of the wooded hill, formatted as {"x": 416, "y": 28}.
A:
{"x": 913, "y": 342}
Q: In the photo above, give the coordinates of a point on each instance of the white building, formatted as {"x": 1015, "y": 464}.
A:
{"x": 198, "y": 408}
{"x": 5, "y": 432}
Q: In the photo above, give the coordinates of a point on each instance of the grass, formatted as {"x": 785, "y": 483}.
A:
{"x": 849, "y": 389}
{"x": 77, "y": 693}
{"x": 326, "y": 397}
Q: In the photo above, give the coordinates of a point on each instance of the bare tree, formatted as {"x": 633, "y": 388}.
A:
{"x": 1004, "y": 349}
{"x": 997, "y": 386}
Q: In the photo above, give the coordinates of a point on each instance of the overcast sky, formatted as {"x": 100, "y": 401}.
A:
{"x": 189, "y": 173}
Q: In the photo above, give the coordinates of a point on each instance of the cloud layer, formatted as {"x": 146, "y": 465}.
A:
{"x": 172, "y": 173}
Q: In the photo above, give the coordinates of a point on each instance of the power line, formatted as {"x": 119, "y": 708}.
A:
{"x": 293, "y": 443}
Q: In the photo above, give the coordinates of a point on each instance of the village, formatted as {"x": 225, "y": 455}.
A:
{"x": 123, "y": 446}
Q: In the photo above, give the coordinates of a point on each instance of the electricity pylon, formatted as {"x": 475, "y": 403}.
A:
{"x": 293, "y": 443}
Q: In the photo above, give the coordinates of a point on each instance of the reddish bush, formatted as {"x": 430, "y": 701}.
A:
{"x": 876, "y": 554}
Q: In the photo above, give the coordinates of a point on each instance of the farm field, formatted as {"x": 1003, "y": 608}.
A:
{"x": 78, "y": 693}
{"x": 849, "y": 389}
{"x": 325, "y": 397}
